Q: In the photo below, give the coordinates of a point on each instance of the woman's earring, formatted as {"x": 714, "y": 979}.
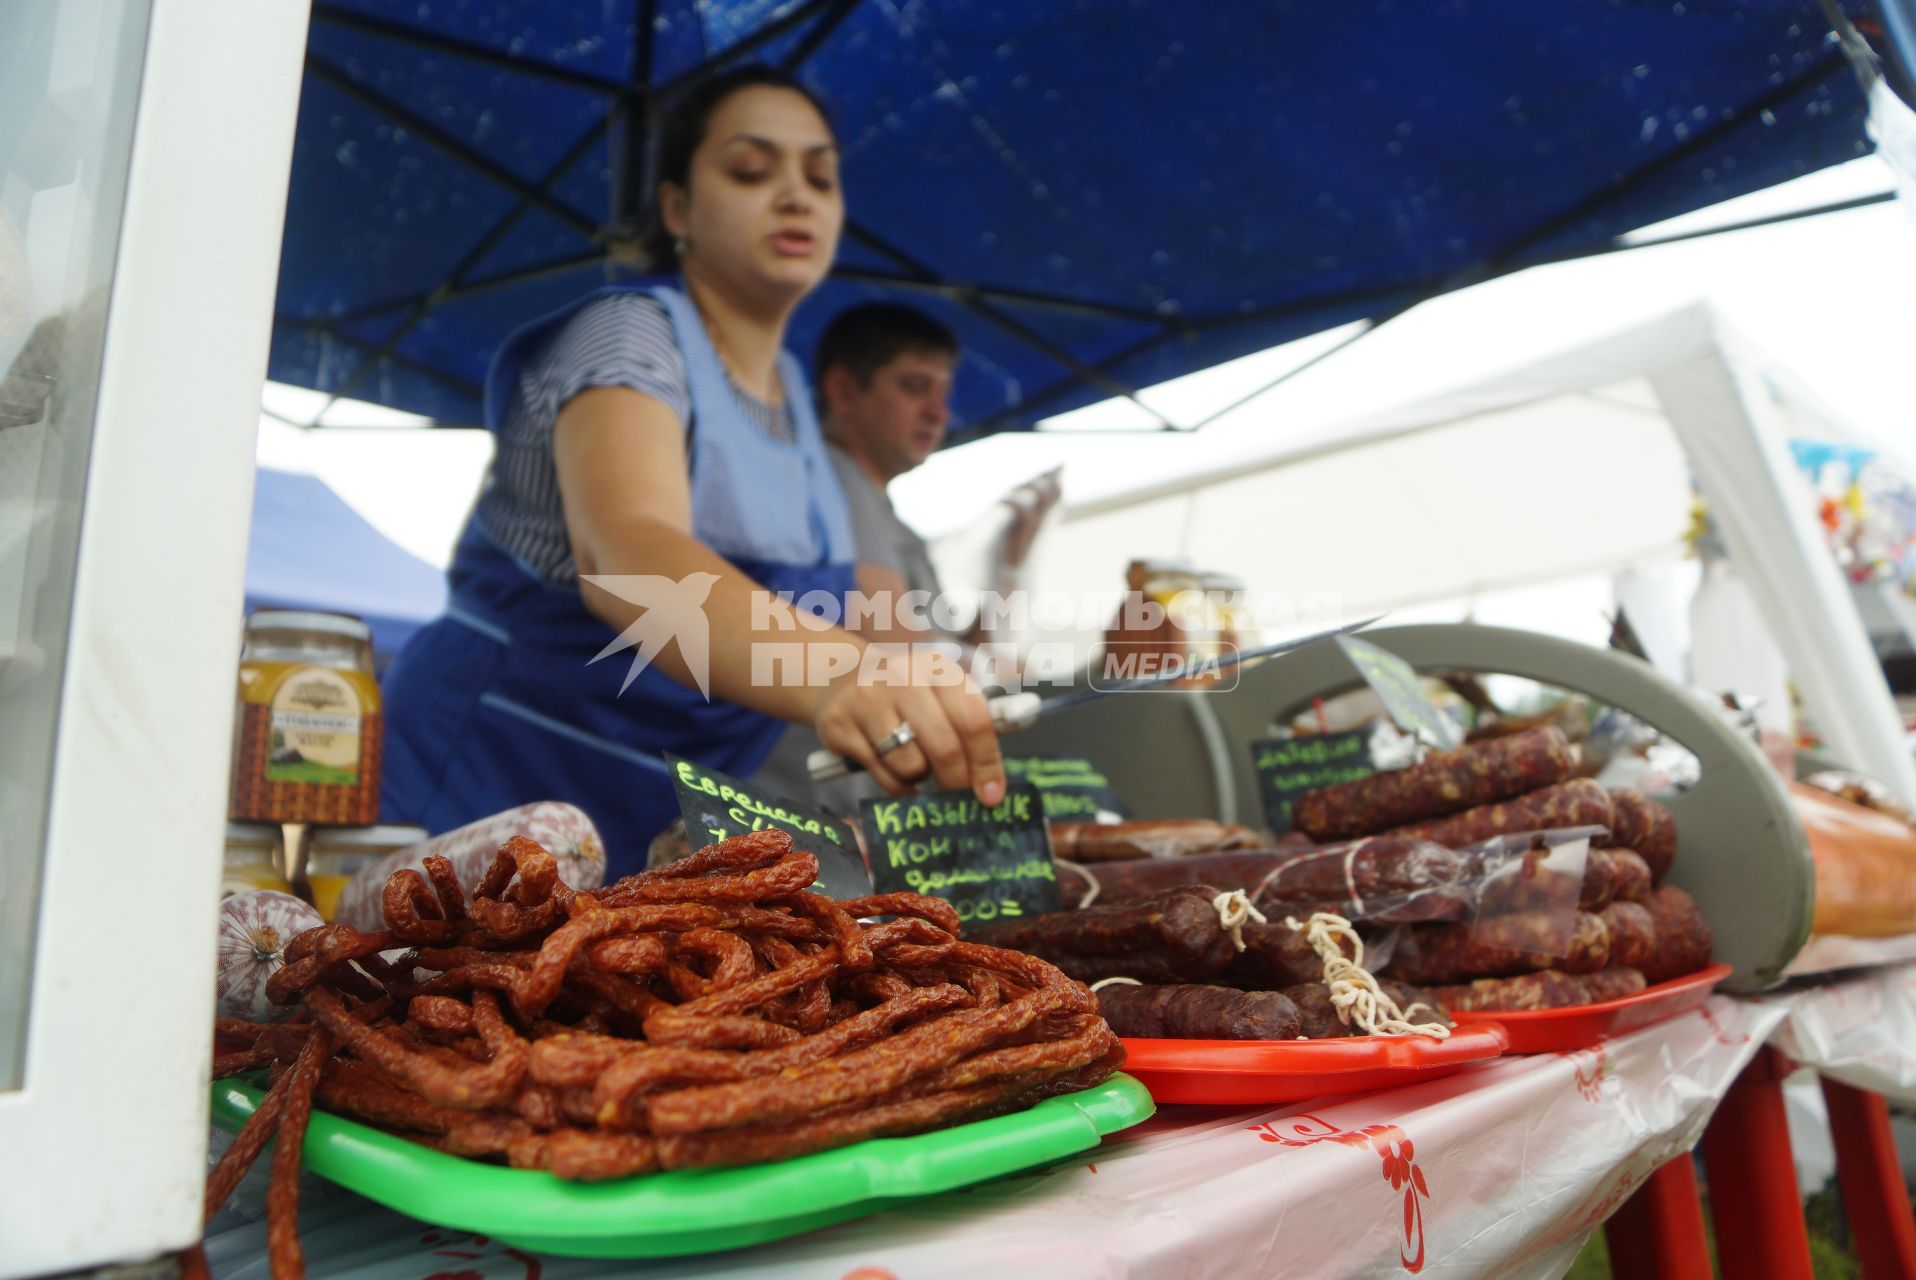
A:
{"x": 678, "y": 246}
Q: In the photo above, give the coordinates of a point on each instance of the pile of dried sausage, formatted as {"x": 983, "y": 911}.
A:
{"x": 1630, "y": 928}
{"x": 1203, "y": 980}
{"x": 710, "y": 1012}
{"x": 1436, "y": 865}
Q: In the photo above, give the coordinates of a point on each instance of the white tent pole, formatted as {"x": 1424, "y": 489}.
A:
{"x": 1719, "y": 410}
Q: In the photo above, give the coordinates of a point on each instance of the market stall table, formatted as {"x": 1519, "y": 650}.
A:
{"x": 1857, "y": 1033}
{"x": 1501, "y": 1169}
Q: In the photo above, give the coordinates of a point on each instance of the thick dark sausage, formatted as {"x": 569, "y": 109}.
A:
{"x": 1317, "y": 1016}
{"x": 1380, "y": 879}
{"x": 1175, "y": 937}
{"x": 1498, "y": 947}
{"x": 1449, "y": 782}
{"x": 1524, "y": 993}
{"x": 1148, "y": 877}
{"x": 1275, "y": 956}
{"x": 1633, "y": 934}
{"x": 1542, "y": 878}
{"x": 1683, "y": 936}
{"x": 1633, "y": 879}
{"x": 1188, "y": 1011}
{"x": 1642, "y": 824}
{"x": 1613, "y": 983}
{"x": 1599, "y": 881}
{"x": 1581, "y": 803}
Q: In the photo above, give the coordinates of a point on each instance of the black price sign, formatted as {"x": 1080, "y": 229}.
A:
{"x": 1073, "y": 788}
{"x": 1402, "y": 693}
{"x": 717, "y": 805}
{"x": 991, "y": 863}
{"x": 1288, "y": 767}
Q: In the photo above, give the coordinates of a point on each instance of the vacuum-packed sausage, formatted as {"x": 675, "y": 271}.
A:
{"x": 1148, "y": 877}
{"x": 1501, "y": 946}
{"x": 1380, "y": 879}
{"x": 1384, "y": 879}
{"x": 1165, "y": 838}
{"x": 1448, "y": 782}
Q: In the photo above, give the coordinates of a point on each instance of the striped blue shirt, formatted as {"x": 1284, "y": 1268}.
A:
{"x": 625, "y": 340}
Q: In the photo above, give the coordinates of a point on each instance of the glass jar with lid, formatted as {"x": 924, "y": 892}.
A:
{"x": 307, "y": 743}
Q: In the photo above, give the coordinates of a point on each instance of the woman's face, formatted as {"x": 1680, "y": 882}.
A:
{"x": 762, "y": 209}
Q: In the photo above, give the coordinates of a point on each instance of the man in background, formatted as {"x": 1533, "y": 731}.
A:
{"x": 883, "y": 376}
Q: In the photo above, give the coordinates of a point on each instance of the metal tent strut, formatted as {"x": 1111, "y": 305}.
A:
{"x": 632, "y": 105}
{"x": 1503, "y": 261}
{"x": 630, "y": 108}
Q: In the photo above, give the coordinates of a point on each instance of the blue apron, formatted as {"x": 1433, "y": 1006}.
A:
{"x": 494, "y": 705}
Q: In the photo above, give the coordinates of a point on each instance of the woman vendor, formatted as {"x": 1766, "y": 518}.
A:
{"x": 660, "y": 435}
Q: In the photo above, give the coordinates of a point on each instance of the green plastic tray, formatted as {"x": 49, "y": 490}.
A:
{"x": 695, "y": 1210}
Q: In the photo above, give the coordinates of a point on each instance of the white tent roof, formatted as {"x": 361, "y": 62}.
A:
{"x": 1811, "y": 292}
{"x": 1579, "y": 461}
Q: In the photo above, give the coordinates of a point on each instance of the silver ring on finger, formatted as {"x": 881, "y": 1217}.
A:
{"x": 902, "y": 736}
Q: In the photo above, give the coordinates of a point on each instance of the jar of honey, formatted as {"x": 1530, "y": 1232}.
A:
{"x": 307, "y": 743}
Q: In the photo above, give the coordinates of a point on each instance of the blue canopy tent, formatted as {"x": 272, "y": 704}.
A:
{"x": 310, "y": 550}
{"x": 1096, "y": 194}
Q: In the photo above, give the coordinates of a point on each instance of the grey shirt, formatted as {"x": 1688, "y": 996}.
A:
{"x": 877, "y": 532}
{"x": 879, "y": 537}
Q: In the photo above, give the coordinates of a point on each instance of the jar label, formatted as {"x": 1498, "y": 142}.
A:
{"x": 314, "y": 733}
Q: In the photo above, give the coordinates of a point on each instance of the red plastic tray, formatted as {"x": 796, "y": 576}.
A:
{"x": 1580, "y": 1026}
{"x": 1236, "y": 1072}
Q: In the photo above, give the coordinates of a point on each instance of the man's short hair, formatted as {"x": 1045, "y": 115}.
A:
{"x": 867, "y": 337}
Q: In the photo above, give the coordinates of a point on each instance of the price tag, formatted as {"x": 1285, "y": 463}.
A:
{"x": 1393, "y": 680}
{"x": 1288, "y": 767}
{"x": 1073, "y": 788}
{"x": 990, "y": 863}
{"x": 717, "y": 805}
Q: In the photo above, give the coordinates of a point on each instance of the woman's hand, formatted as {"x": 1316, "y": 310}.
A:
{"x": 952, "y": 737}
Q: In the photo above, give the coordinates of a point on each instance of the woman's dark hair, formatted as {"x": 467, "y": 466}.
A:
{"x": 686, "y": 122}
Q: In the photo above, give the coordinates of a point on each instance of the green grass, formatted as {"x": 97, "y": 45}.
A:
{"x": 1830, "y": 1256}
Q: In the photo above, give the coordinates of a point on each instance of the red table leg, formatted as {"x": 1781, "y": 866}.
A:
{"x": 1658, "y": 1233}
{"x": 1874, "y": 1197}
{"x": 1753, "y": 1198}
